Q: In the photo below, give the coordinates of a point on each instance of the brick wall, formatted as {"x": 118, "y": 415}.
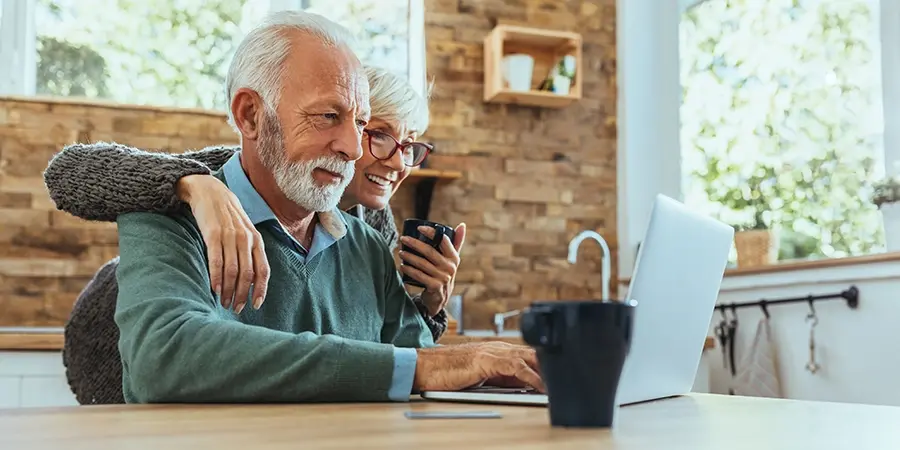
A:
{"x": 47, "y": 256}
{"x": 533, "y": 178}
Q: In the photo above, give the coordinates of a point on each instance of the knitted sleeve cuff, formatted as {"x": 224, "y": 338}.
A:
{"x": 213, "y": 157}
{"x": 437, "y": 324}
{"x": 158, "y": 195}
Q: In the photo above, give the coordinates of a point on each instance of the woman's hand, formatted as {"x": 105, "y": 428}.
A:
{"x": 237, "y": 256}
{"x": 437, "y": 271}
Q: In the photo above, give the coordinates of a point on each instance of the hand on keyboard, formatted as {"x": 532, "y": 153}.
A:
{"x": 458, "y": 367}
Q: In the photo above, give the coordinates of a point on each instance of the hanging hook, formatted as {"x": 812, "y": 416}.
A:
{"x": 734, "y": 313}
{"x": 812, "y": 366}
{"x": 762, "y": 304}
{"x": 721, "y": 309}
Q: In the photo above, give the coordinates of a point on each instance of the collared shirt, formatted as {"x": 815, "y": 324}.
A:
{"x": 330, "y": 228}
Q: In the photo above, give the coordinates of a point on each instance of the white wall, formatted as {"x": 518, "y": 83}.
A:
{"x": 649, "y": 99}
{"x": 33, "y": 379}
{"x": 858, "y": 350}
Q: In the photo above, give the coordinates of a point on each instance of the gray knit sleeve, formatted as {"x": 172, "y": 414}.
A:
{"x": 101, "y": 181}
{"x": 213, "y": 157}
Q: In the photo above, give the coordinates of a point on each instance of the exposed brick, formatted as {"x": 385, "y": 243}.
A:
{"x": 482, "y": 249}
{"x": 15, "y": 200}
{"x": 512, "y": 263}
{"x": 535, "y": 194}
{"x": 24, "y": 218}
{"x": 532, "y": 177}
{"x": 550, "y": 264}
{"x": 499, "y": 220}
{"x": 534, "y": 237}
{"x": 540, "y": 291}
{"x": 545, "y": 224}
{"x": 535, "y": 251}
{"x": 503, "y": 288}
{"x": 540, "y": 168}
{"x": 32, "y": 184}
{"x": 582, "y": 211}
{"x": 483, "y": 235}
{"x": 436, "y": 33}
{"x": 577, "y": 293}
{"x": 466, "y": 203}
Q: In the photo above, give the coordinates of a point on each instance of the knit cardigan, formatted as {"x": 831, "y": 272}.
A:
{"x": 101, "y": 181}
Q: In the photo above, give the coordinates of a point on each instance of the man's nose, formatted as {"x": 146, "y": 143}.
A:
{"x": 348, "y": 142}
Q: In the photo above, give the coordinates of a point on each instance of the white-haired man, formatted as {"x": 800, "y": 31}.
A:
{"x": 337, "y": 324}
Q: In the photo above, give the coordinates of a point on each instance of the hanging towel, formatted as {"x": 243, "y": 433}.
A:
{"x": 757, "y": 375}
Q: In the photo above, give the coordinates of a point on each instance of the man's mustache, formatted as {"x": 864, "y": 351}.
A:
{"x": 336, "y": 165}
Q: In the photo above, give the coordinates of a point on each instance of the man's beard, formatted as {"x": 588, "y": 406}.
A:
{"x": 296, "y": 179}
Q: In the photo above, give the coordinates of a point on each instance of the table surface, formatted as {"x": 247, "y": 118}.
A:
{"x": 695, "y": 421}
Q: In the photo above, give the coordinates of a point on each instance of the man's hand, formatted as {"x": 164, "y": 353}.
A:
{"x": 456, "y": 367}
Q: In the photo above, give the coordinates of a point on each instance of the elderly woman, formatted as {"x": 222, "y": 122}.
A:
{"x": 102, "y": 181}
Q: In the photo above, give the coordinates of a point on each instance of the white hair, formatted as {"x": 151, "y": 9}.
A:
{"x": 258, "y": 62}
{"x": 392, "y": 98}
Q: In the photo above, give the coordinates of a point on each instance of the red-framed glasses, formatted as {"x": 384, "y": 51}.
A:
{"x": 383, "y": 146}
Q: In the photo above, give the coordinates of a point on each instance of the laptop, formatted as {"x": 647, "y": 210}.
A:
{"x": 675, "y": 284}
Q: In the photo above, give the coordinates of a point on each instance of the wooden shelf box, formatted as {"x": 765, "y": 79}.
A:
{"x": 547, "y": 47}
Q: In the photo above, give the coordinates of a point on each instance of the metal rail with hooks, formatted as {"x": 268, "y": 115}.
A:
{"x": 850, "y": 295}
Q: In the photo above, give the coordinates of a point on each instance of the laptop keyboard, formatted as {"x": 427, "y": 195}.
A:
{"x": 499, "y": 390}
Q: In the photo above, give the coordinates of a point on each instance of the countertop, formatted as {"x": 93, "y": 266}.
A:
{"x": 51, "y": 339}
{"x": 459, "y": 339}
{"x": 694, "y": 421}
{"x": 788, "y": 266}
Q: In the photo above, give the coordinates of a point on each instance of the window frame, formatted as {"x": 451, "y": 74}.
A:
{"x": 650, "y": 100}
{"x": 18, "y": 40}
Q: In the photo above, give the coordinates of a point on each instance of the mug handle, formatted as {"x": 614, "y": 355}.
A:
{"x": 439, "y": 233}
{"x": 538, "y": 328}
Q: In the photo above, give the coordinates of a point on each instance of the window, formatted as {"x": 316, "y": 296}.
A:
{"x": 782, "y": 123}
{"x": 669, "y": 52}
{"x": 175, "y": 52}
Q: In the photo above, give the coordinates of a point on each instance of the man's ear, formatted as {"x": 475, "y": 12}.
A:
{"x": 247, "y": 109}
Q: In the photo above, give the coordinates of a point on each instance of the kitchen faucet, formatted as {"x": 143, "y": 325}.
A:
{"x": 500, "y": 320}
{"x": 605, "y": 270}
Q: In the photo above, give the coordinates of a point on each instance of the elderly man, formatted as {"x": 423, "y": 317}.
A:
{"x": 337, "y": 324}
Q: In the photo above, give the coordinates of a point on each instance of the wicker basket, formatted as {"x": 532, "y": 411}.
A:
{"x": 755, "y": 248}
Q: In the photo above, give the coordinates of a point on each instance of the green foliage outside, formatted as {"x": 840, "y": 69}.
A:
{"x": 176, "y": 52}
{"x": 781, "y": 120}
{"x": 70, "y": 70}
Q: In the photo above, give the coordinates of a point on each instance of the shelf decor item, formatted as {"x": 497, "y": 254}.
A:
{"x": 755, "y": 247}
{"x": 518, "y": 70}
{"x": 561, "y": 76}
{"x": 555, "y": 54}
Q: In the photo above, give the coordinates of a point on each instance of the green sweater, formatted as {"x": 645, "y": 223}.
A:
{"x": 326, "y": 331}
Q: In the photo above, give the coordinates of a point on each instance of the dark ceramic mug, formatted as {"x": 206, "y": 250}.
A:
{"x": 411, "y": 229}
{"x": 581, "y": 348}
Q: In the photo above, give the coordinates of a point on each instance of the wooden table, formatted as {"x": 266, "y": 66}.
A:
{"x": 696, "y": 422}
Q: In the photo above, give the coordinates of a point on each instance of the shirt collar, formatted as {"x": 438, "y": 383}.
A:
{"x": 332, "y": 222}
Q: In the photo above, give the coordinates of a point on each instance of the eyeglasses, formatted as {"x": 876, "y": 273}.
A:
{"x": 383, "y": 146}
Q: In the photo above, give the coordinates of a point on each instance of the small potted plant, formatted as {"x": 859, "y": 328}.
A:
{"x": 755, "y": 242}
{"x": 886, "y": 196}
